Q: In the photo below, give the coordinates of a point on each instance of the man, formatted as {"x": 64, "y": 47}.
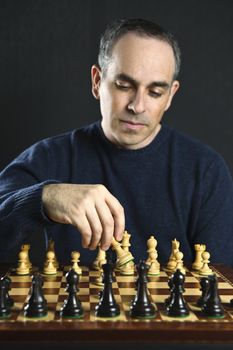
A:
{"x": 129, "y": 171}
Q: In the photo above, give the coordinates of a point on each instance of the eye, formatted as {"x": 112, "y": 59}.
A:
{"x": 155, "y": 94}
{"x": 122, "y": 85}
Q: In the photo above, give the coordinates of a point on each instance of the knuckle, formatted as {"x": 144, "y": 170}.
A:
{"x": 98, "y": 233}
{"x": 109, "y": 224}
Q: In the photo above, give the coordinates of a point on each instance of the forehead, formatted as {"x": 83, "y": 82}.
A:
{"x": 142, "y": 57}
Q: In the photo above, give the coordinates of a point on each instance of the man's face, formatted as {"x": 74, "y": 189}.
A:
{"x": 136, "y": 90}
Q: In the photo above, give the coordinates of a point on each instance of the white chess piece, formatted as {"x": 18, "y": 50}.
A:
{"x": 49, "y": 267}
{"x": 179, "y": 262}
{"x": 23, "y": 268}
{"x": 75, "y": 260}
{"x": 100, "y": 259}
{"x": 205, "y": 270}
{"x": 198, "y": 263}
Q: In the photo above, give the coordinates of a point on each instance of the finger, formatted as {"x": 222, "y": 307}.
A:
{"x": 107, "y": 222}
{"x": 96, "y": 227}
{"x": 118, "y": 214}
{"x": 84, "y": 229}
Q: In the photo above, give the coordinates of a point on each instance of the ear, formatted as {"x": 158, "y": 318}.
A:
{"x": 96, "y": 79}
{"x": 175, "y": 86}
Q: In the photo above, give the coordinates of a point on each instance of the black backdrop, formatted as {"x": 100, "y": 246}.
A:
{"x": 48, "y": 47}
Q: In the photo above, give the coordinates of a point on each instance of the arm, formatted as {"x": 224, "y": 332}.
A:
{"x": 214, "y": 222}
{"x": 32, "y": 195}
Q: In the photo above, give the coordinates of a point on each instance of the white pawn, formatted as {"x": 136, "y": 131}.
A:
{"x": 205, "y": 270}
{"x": 49, "y": 267}
{"x": 152, "y": 257}
{"x": 75, "y": 260}
{"x": 26, "y": 248}
{"x": 51, "y": 248}
{"x": 179, "y": 262}
{"x": 154, "y": 268}
{"x": 23, "y": 268}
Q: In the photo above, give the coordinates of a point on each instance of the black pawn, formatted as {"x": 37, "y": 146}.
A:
{"x": 213, "y": 306}
{"x": 72, "y": 306}
{"x": 205, "y": 287}
{"x": 142, "y": 307}
{"x": 5, "y": 310}
{"x": 178, "y": 306}
{"x": 37, "y": 304}
{"x": 107, "y": 306}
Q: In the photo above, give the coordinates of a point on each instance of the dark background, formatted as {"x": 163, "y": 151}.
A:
{"x": 48, "y": 47}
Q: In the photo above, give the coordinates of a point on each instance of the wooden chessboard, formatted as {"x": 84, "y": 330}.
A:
{"x": 122, "y": 327}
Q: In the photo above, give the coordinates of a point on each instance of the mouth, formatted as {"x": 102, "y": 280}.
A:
{"x": 128, "y": 124}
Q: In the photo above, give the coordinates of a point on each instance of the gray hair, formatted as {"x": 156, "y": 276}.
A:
{"x": 143, "y": 28}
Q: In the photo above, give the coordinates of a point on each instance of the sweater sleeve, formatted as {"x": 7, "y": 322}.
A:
{"x": 215, "y": 220}
{"x": 21, "y": 184}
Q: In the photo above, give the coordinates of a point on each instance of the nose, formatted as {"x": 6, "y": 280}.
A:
{"x": 137, "y": 104}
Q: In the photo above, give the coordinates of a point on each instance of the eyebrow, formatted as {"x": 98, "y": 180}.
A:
{"x": 160, "y": 83}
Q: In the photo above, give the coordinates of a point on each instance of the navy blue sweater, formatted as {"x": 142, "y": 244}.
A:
{"x": 173, "y": 188}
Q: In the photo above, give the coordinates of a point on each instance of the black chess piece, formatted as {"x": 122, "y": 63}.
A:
{"x": 178, "y": 306}
{"x": 72, "y": 306}
{"x": 141, "y": 306}
{"x": 8, "y": 287}
{"x": 213, "y": 306}
{"x": 37, "y": 304}
{"x": 169, "y": 300}
{"x": 109, "y": 256}
{"x": 107, "y": 306}
{"x": 5, "y": 310}
{"x": 205, "y": 285}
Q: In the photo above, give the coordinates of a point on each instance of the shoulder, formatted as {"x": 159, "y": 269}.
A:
{"x": 193, "y": 149}
{"x": 62, "y": 141}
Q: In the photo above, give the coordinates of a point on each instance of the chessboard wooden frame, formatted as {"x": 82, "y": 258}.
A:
{"x": 130, "y": 331}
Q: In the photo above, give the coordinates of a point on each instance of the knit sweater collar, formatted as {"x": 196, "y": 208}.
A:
{"x": 150, "y": 148}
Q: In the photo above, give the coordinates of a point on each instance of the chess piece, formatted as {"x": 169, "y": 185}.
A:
{"x": 198, "y": 263}
{"x": 23, "y": 268}
{"x": 125, "y": 243}
{"x": 7, "y": 280}
{"x": 123, "y": 257}
{"x": 37, "y": 304}
{"x": 51, "y": 248}
{"x": 177, "y": 306}
{"x": 205, "y": 284}
{"x": 26, "y": 248}
{"x": 154, "y": 266}
{"x": 171, "y": 265}
{"x": 213, "y": 306}
{"x": 179, "y": 262}
{"x": 72, "y": 306}
{"x": 141, "y": 306}
{"x": 205, "y": 270}
{"x": 107, "y": 306}
{"x": 75, "y": 260}
{"x": 5, "y": 310}
{"x": 100, "y": 259}
{"x": 128, "y": 268}
{"x": 49, "y": 268}
{"x": 169, "y": 300}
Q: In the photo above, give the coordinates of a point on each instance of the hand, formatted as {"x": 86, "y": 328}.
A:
{"x": 92, "y": 209}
